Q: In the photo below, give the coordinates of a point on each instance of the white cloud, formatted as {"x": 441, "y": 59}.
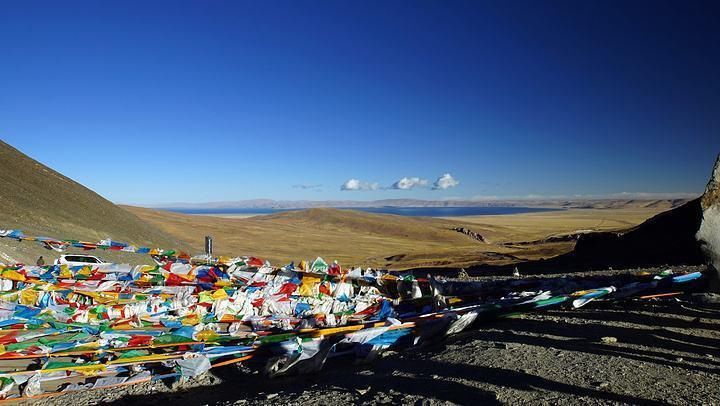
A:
{"x": 356, "y": 184}
{"x": 409, "y": 183}
{"x": 307, "y": 186}
{"x": 445, "y": 182}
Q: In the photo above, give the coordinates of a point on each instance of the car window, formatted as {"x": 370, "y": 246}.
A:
{"x": 77, "y": 258}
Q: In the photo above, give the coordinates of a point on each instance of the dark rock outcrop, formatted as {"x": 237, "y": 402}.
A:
{"x": 470, "y": 233}
{"x": 667, "y": 238}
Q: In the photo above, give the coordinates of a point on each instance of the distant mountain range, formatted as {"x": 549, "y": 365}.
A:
{"x": 309, "y": 204}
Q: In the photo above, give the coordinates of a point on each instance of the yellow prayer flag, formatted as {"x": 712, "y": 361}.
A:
{"x": 308, "y": 285}
{"x": 219, "y": 294}
{"x": 13, "y": 275}
{"x": 190, "y": 320}
{"x": 65, "y": 272}
{"x": 29, "y": 297}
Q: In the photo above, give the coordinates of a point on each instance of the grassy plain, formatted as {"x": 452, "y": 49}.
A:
{"x": 536, "y": 226}
{"x": 396, "y": 242}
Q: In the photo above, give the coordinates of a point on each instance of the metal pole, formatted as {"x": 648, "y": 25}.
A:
{"x": 208, "y": 246}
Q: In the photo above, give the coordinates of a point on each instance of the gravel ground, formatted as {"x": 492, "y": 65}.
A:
{"x": 639, "y": 352}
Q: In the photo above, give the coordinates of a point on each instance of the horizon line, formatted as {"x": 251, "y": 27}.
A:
{"x": 476, "y": 199}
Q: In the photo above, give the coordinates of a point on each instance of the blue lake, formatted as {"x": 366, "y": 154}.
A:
{"x": 402, "y": 211}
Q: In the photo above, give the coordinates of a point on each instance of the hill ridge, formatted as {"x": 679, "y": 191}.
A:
{"x": 41, "y": 201}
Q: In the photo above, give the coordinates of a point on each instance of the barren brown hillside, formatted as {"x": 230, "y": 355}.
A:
{"x": 39, "y": 200}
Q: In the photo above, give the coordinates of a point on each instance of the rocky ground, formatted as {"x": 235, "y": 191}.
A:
{"x": 657, "y": 351}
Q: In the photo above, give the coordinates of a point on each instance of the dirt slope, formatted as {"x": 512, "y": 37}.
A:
{"x": 39, "y": 200}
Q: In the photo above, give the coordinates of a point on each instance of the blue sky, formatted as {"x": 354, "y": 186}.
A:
{"x": 153, "y": 102}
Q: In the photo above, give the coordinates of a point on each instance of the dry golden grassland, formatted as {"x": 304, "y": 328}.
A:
{"x": 535, "y": 226}
{"x": 380, "y": 240}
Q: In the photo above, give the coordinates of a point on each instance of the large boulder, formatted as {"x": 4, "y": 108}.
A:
{"x": 709, "y": 233}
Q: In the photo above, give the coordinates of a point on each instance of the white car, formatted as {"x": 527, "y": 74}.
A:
{"x": 78, "y": 259}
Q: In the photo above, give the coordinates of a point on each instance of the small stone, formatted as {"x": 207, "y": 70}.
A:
{"x": 385, "y": 400}
{"x": 712, "y": 298}
{"x": 362, "y": 391}
{"x": 271, "y": 396}
{"x": 679, "y": 359}
{"x": 709, "y": 355}
{"x": 609, "y": 340}
{"x": 388, "y": 353}
{"x": 603, "y": 385}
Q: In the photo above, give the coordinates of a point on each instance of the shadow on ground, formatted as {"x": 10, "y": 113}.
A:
{"x": 416, "y": 374}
